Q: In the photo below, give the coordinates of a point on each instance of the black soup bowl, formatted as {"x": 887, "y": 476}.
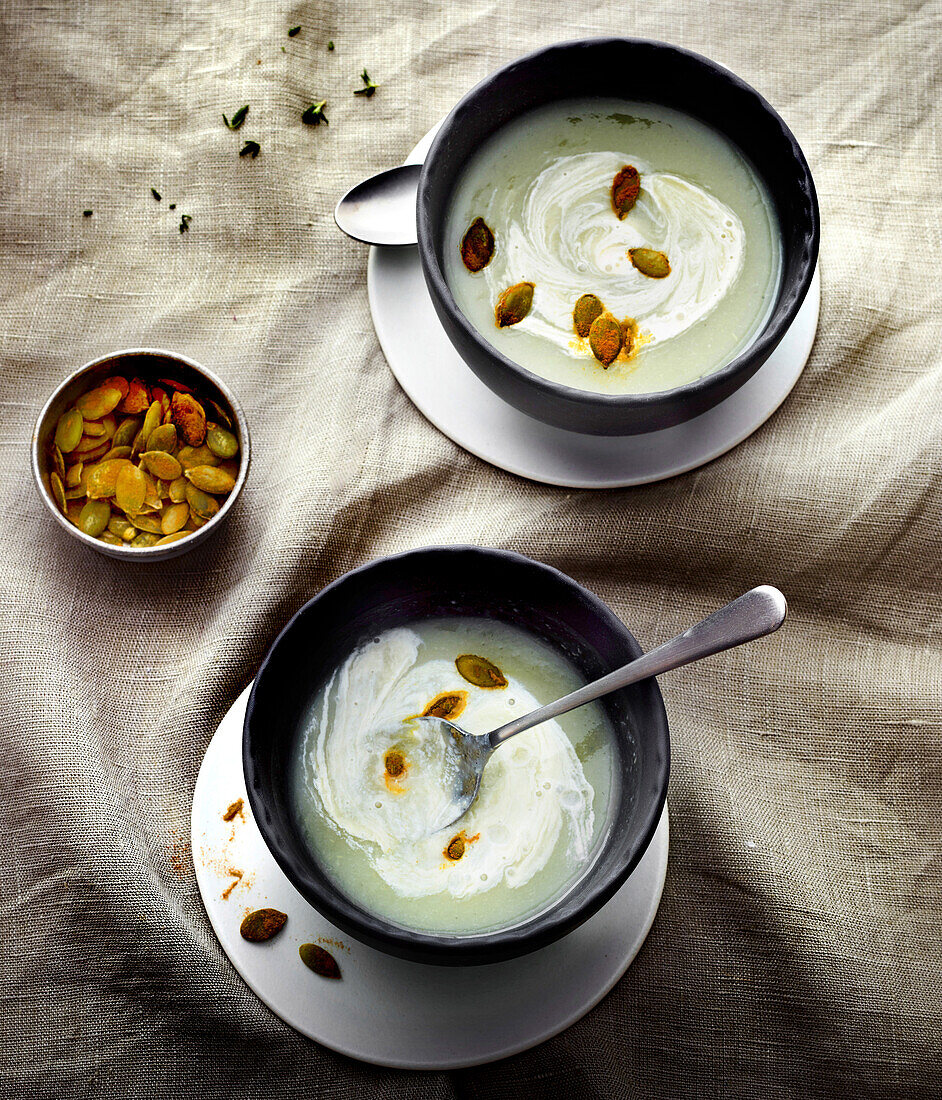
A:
{"x": 646, "y": 71}
{"x": 423, "y": 584}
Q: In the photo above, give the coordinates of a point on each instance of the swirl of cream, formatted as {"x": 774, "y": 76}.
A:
{"x": 561, "y": 233}
{"x": 533, "y": 792}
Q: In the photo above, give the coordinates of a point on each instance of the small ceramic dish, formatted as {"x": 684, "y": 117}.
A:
{"x": 446, "y": 581}
{"x": 148, "y": 364}
{"x": 639, "y": 70}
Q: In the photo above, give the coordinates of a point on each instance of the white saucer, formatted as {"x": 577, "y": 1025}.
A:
{"x": 445, "y": 390}
{"x": 385, "y": 1010}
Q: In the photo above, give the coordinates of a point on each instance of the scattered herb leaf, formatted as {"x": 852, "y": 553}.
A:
{"x": 155, "y": 193}
{"x": 87, "y": 213}
{"x": 172, "y": 206}
{"x": 370, "y": 85}
{"x": 185, "y": 220}
{"x": 294, "y": 31}
{"x": 250, "y": 149}
{"x": 330, "y": 45}
{"x": 237, "y": 119}
{"x": 283, "y": 50}
{"x": 314, "y": 115}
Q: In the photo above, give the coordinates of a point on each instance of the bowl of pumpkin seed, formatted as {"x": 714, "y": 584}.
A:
{"x": 141, "y": 453}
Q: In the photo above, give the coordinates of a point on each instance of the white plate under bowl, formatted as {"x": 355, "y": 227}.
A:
{"x": 448, "y": 393}
{"x": 386, "y": 1010}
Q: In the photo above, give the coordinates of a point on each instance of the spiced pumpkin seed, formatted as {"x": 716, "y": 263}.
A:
{"x": 117, "y": 452}
{"x": 586, "y": 310}
{"x": 163, "y": 438}
{"x": 223, "y": 444}
{"x": 480, "y": 671}
{"x": 161, "y": 464}
{"x": 137, "y": 400}
{"x": 112, "y": 540}
{"x": 262, "y": 924}
{"x": 73, "y": 474}
{"x": 123, "y": 528}
{"x": 58, "y": 490}
{"x": 94, "y": 516}
{"x": 625, "y": 188}
{"x": 151, "y": 420}
{"x": 210, "y": 479}
{"x": 58, "y": 462}
{"x": 178, "y": 490}
{"x": 190, "y": 418}
{"x": 319, "y": 960}
{"x": 514, "y": 304}
{"x": 103, "y": 478}
{"x": 174, "y": 517}
{"x": 69, "y": 430}
{"x": 130, "y": 488}
{"x": 145, "y": 538}
{"x": 605, "y": 339}
{"x": 98, "y": 402}
{"x": 126, "y": 431}
{"x": 196, "y": 456}
{"x": 477, "y": 245}
{"x": 650, "y": 262}
{"x": 174, "y": 537}
{"x": 147, "y": 523}
{"x": 201, "y": 504}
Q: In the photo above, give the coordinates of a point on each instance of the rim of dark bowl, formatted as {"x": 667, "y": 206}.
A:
{"x": 141, "y": 553}
{"x": 494, "y": 945}
{"x": 752, "y": 356}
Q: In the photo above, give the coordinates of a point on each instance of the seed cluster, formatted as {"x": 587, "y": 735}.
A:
{"x": 138, "y": 464}
{"x": 608, "y": 337}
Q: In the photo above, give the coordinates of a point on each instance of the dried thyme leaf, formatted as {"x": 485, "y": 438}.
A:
{"x": 370, "y": 85}
{"x": 185, "y": 220}
{"x": 314, "y": 115}
{"x": 320, "y": 961}
{"x": 155, "y": 193}
{"x": 237, "y": 119}
{"x": 330, "y": 45}
{"x": 294, "y": 31}
{"x": 250, "y": 149}
{"x": 172, "y": 206}
{"x": 87, "y": 213}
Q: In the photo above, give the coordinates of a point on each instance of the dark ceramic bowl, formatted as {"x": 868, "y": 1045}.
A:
{"x": 448, "y": 581}
{"x": 632, "y": 69}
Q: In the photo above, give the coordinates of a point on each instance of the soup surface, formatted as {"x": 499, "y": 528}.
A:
{"x": 367, "y": 780}
{"x": 543, "y": 186}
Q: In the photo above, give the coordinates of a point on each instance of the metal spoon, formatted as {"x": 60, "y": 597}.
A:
{"x": 381, "y": 209}
{"x": 758, "y": 612}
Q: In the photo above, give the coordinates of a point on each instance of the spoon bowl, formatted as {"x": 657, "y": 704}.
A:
{"x": 381, "y": 209}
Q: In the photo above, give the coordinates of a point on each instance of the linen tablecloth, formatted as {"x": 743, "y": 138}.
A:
{"x": 797, "y": 949}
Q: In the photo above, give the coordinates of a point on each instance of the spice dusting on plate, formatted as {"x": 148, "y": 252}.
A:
{"x": 233, "y": 809}
{"x": 237, "y": 878}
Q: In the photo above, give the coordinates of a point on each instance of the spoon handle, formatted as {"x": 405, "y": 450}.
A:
{"x": 758, "y": 612}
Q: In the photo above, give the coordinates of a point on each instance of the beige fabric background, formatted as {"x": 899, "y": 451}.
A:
{"x": 797, "y": 950}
